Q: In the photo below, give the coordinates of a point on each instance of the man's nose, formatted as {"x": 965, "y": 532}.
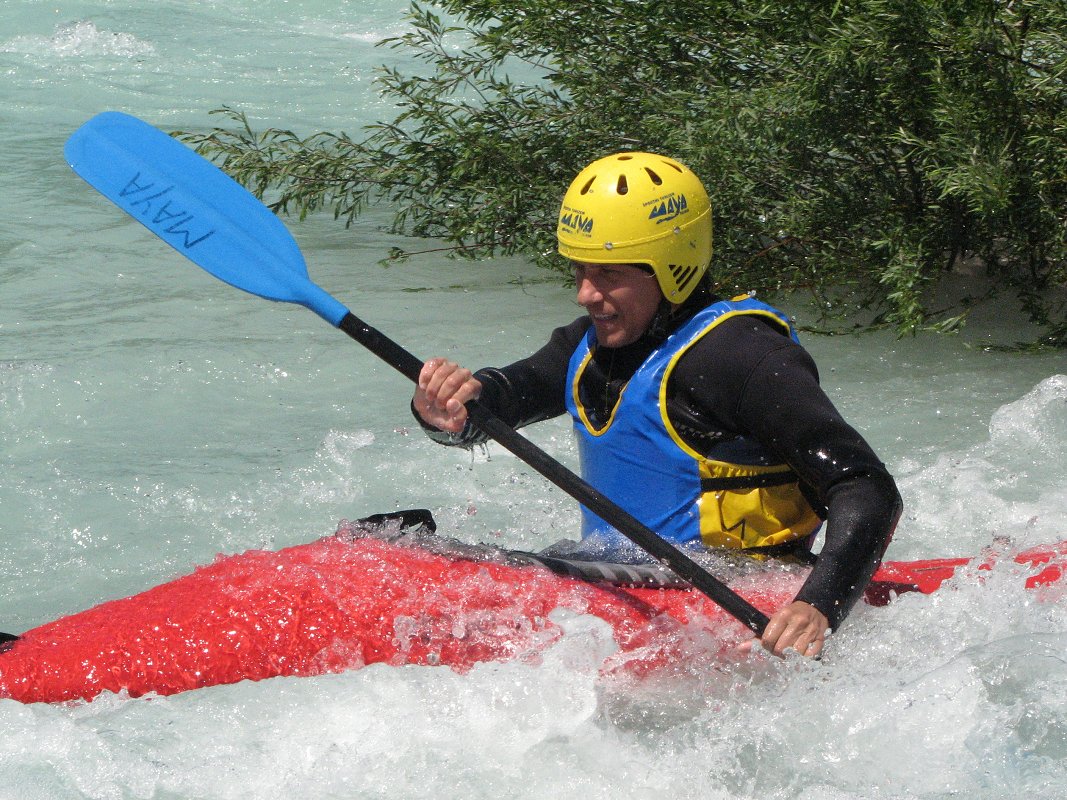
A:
{"x": 587, "y": 291}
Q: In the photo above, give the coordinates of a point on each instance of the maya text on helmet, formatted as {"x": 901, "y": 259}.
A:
{"x": 639, "y": 208}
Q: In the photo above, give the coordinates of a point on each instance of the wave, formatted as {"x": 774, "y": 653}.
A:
{"x": 79, "y": 40}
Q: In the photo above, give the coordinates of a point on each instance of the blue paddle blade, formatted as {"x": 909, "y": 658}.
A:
{"x": 196, "y": 208}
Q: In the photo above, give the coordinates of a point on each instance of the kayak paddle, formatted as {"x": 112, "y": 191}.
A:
{"x": 213, "y": 221}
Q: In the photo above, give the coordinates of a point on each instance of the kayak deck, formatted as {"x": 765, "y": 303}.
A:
{"x": 394, "y": 595}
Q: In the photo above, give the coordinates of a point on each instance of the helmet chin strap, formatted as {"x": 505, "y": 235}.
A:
{"x": 670, "y": 315}
{"x": 662, "y": 322}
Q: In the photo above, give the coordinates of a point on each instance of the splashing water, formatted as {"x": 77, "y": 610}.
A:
{"x": 78, "y": 40}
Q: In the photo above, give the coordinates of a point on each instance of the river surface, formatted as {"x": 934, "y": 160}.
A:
{"x": 151, "y": 417}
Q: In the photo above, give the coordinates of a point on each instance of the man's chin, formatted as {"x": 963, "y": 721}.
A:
{"x": 609, "y": 334}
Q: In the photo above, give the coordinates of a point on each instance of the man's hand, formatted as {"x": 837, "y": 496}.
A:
{"x": 444, "y": 387}
{"x": 799, "y": 626}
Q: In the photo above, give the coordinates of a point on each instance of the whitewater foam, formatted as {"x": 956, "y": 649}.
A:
{"x": 79, "y": 40}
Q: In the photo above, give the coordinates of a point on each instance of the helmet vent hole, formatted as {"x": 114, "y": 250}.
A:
{"x": 622, "y": 187}
{"x": 588, "y": 185}
{"x": 656, "y": 179}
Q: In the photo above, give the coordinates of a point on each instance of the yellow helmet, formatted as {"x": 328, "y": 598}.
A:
{"x": 639, "y": 208}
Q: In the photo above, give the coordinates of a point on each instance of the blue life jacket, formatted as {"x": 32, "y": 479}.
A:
{"x": 735, "y": 496}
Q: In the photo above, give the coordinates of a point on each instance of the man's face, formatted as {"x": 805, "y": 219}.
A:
{"x": 621, "y": 299}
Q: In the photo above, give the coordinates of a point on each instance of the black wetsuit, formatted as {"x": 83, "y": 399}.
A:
{"x": 743, "y": 378}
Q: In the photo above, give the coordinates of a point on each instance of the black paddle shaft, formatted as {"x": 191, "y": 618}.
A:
{"x": 635, "y": 530}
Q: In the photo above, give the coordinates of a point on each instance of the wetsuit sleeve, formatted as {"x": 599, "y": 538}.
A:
{"x": 767, "y": 387}
{"x": 527, "y": 391}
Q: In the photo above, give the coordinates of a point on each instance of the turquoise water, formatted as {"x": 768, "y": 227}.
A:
{"x": 151, "y": 417}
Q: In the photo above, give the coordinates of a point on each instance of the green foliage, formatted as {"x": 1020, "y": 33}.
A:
{"x": 859, "y": 150}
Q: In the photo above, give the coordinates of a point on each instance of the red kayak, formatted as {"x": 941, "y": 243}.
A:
{"x": 363, "y": 597}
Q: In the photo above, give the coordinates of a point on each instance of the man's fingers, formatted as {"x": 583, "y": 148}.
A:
{"x": 799, "y": 626}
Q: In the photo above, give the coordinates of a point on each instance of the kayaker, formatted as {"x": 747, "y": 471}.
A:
{"x": 702, "y": 417}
